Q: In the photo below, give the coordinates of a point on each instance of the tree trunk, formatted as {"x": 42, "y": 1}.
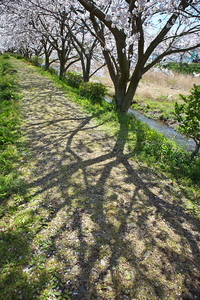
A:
{"x": 62, "y": 52}
{"x": 86, "y": 73}
{"x": 120, "y": 92}
{"x": 47, "y": 62}
{"x": 128, "y": 97}
{"x": 62, "y": 64}
{"x": 124, "y": 96}
{"x": 86, "y": 77}
{"x": 62, "y": 69}
{"x": 85, "y": 68}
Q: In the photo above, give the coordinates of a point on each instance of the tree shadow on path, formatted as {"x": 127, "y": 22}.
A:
{"x": 123, "y": 240}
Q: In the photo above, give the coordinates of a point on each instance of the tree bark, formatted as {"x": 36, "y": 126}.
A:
{"x": 47, "y": 61}
{"x": 128, "y": 97}
{"x": 62, "y": 66}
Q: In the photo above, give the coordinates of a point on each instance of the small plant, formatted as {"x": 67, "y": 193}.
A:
{"x": 74, "y": 79}
{"x": 188, "y": 116}
{"x": 5, "y": 56}
{"x": 53, "y": 71}
{"x": 35, "y": 60}
{"x": 93, "y": 90}
{"x": 19, "y": 56}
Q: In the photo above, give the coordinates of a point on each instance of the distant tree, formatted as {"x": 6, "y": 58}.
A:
{"x": 86, "y": 46}
{"x": 188, "y": 116}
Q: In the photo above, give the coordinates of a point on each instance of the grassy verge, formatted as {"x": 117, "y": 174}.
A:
{"x": 12, "y": 189}
{"x": 10, "y": 137}
{"x": 22, "y": 272}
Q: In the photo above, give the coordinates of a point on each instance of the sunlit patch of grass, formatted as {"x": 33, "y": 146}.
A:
{"x": 25, "y": 273}
{"x": 155, "y": 106}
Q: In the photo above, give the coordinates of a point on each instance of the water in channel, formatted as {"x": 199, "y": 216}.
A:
{"x": 161, "y": 127}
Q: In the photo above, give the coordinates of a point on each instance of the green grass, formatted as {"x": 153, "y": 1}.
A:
{"x": 9, "y": 129}
{"x": 159, "y": 108}
{"x": 22, "y": 273}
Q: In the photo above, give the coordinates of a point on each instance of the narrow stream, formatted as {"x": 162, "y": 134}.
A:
{"x": 167, "y": 131}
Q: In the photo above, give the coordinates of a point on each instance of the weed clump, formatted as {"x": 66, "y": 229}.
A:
{"x": 35, "y": 60}
{"x": 74, "y": 79}
{"x": 93, "y": 90}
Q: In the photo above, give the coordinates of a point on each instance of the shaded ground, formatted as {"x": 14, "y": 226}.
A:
{"x": 110, "y": 227}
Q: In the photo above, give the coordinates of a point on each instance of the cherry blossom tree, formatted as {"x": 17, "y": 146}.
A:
{"x": 86, "y": 46}
{"x": 53, "y": 29}
{"x": 137, "y": 30}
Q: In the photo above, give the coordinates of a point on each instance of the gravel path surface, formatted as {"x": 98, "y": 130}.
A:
{"x": 114, "y": 228}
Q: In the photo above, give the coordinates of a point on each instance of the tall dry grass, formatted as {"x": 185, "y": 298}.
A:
{"x": 176, "y": 81}
{"x": 157, "y": 86}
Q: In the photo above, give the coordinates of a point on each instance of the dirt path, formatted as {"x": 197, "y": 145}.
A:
{"x": 112, "y": 228}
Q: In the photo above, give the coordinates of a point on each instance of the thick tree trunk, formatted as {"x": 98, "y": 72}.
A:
{"x": 86, "y": 74}
{"x": 86, "y": 77}
{"x": 124, "y": 96}
{"x": 128, "y": 97}
{"x": 86, "y": 68}
{"x": 62, "y": 69}
{"x": 62, "y": 52}
{"x": 47, "y": 62}
{"x": 62, "y": 64}
{"x": 120, "y": 92}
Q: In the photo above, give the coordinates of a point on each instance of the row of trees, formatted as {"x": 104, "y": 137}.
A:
{"x": 123, "y": 34}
